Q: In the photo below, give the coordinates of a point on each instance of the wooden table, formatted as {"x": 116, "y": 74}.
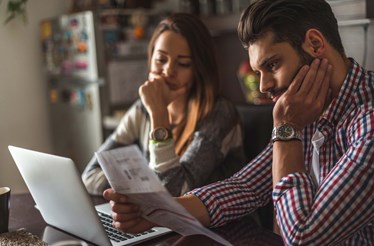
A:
{"x": 23, "y": 214}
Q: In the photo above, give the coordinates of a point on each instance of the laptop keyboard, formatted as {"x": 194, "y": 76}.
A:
{"x": 115, "y": 234}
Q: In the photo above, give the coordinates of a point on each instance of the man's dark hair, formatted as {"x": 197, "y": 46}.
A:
{"x": 288, "y": 20}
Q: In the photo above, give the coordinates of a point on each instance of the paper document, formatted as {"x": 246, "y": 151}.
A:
{"x": 128, "y": 173}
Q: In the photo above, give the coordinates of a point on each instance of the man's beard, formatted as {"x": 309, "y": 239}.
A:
{"x": 305, "y": 59}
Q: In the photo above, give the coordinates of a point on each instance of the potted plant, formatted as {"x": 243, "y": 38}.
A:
{"x": 15, "y": 8}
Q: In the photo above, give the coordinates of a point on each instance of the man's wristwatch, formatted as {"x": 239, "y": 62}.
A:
{"x": 160, "y": 134}
{"x": 285, "y": 132}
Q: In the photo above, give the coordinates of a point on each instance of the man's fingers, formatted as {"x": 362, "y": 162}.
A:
{"x": 312, "y": 82}
{"x": 135, "y": 226}
{"x": 310, "y": 77}
{"x": 126, "y": 225}
{"x": 298, "y": 80}
{"x": 320, "y": 79}
{"x": 124, "y": 217}
{"x": 111, "y": 195}
{"x": 124, "y": 207}
{"x": 323, "y": 91}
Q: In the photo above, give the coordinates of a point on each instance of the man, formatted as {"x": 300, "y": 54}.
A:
{"x": 319, "y": 168}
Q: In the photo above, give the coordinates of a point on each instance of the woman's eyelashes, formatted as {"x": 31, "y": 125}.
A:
{"x": 185, "y": 64}
{"x": 160, "y": 60}
{"x": 181, "y": 64}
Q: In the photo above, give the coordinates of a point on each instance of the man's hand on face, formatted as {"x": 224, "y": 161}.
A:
{"x": 305, "y": 98}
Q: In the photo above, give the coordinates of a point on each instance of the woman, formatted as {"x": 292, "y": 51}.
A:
{"x": 190, "y": 135}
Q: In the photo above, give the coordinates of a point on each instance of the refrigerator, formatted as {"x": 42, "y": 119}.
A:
{"x": 94, "y": 65}
{"x": 73, "y": 85}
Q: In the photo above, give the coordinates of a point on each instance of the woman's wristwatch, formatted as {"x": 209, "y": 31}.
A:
{"x": 160, "y": 134}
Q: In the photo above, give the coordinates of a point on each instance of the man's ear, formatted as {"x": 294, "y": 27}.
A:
{"x": 314, "y": 43}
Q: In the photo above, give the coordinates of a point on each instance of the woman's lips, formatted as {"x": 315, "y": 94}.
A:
{"x": 172, "y": 86}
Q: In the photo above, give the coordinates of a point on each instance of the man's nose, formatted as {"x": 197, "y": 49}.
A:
{"x": 266, "y": 83}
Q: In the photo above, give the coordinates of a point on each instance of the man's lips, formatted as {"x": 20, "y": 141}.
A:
{"x": 275, "y": 98}
{"x": 276, "y": 94}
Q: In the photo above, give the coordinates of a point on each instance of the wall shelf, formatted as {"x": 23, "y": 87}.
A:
{"x": 358, "y": 22}
{"x": 221, "y": 24}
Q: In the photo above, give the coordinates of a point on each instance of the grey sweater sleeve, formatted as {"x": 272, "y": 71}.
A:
{"x": 93, "y": 177}
{"x": 129, "y": 131}
{"x": 215, "y": 153}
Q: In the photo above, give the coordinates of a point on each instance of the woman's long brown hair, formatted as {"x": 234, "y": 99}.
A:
{"x": 205, "y": 86}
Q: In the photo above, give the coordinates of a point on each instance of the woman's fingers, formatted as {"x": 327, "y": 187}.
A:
{"x": 152, "y": 76}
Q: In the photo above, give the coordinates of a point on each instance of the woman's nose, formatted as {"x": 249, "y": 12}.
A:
{"x": 169, "y": 69}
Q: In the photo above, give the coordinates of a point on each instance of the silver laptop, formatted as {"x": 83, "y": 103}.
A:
{"x": 58, "y": 191}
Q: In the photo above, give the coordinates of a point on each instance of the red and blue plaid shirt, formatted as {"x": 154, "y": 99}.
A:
{"x": 338, "y": 210}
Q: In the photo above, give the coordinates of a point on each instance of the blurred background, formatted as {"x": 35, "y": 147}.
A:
{"x": 69, "y": 69}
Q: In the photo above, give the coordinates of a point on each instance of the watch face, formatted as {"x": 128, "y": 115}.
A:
{"x": 285, "y": 131}
{"x": 160, "y": 134}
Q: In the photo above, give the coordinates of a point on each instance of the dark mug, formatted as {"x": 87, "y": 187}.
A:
{"x": 4, "y": 208}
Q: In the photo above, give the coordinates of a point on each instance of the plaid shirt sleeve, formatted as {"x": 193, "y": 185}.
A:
{"x": 341, "y": 206}
{"x": 241, "y": 194}
{"x": 336, "y": 210}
